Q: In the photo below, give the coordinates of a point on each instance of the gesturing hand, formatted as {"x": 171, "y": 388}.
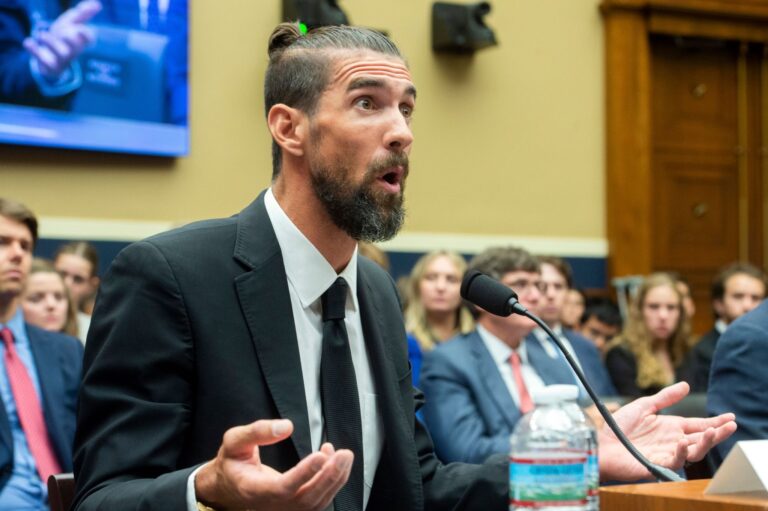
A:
{"x": 66, "y": 38}
{"x": 666, "y": 440}
{"x": 236, "y": 478}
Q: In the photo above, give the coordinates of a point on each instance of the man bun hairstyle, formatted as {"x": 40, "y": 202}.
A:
{"x": 300, "y": 64}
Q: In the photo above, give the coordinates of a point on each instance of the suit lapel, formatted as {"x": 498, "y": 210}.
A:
{"x": 491, "y": 378}
{"x": 266, "y": 305}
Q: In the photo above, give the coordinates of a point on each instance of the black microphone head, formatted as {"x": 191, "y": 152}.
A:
{"x": 487, "y": 293}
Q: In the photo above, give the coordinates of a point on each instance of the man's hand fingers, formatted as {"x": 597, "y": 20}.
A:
{"x": 239, "y": 441}
{"x": 667, "y": 396}
{"x": 81, "y": 13}
{"x": 46, "y": 60}
{"x": 697, "y": 424}
{"x": 318, "y": 492}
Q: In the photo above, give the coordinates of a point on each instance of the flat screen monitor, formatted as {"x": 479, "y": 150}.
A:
{"x": 127, "y": 91}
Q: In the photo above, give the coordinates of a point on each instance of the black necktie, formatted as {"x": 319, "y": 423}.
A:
{"x": 338, "y": 386}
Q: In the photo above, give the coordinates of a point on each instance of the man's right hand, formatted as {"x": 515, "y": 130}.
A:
{"x": 236, "y": 478}
{"x": 54, "y": 49}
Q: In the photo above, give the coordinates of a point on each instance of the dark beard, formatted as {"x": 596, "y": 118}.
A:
{"x": 361, "y": 212}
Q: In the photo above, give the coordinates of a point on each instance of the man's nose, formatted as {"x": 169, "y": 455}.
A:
{"x": 399, "y": 136}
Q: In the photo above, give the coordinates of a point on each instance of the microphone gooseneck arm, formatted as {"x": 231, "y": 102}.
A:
{"x": 661, "y": 473}
{"x": 487, "y": 293}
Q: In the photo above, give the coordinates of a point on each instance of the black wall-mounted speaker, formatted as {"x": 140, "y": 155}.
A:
{"x": 459, "y": 28}
{"x": 314, "y": 13}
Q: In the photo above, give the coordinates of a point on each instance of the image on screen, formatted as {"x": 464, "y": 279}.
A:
{"x": 105, "y": 75}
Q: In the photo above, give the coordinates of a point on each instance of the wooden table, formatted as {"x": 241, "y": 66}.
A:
{"x": 683, "y": 496}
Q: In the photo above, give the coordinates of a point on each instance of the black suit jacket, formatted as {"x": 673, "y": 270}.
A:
{"x": 698, "y": 362}
{"x": 193, "y": 334}
{"x": 58, "y": 360}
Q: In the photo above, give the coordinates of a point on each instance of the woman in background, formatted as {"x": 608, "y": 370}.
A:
{"x": 78, "y": 263}
{"x": 645, "y": 357}
{"x": 435, "y": 312}
{"x": 46, "y": 302}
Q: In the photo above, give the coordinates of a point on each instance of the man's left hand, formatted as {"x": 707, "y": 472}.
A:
{"x": 666, "y": 440}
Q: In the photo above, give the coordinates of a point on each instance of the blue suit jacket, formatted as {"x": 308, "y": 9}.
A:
{"x": 58, "y": 359}
{"x": 591, "y": 364}
{"x": 738, "y": 381}
{"x": 469, "y": 411}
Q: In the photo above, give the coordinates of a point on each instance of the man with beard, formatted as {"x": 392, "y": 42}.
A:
{"x": 256, "y": 362}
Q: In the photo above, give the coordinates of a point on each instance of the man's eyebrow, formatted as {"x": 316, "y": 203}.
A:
{"x": 364, "y": 83}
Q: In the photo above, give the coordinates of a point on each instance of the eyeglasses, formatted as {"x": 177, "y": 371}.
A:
{"x": 524, "y": 286}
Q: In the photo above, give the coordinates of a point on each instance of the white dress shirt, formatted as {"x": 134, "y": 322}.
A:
{"x": 500, "y": 353}
{"x": 309, "y": 275}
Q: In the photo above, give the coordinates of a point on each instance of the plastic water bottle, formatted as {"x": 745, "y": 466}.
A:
{"x": 587, "y": 428}
{"x": 549, "y": 454}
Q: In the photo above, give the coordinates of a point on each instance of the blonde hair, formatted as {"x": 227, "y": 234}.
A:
{"x": 637, "y": 338}
{"x": 40, "y": 265}
{"x": 415, "y": 313}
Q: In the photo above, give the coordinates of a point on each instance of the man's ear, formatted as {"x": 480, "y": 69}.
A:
{"x": 288, "y": 127}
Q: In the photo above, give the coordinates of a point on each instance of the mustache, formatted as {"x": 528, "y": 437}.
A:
{"x": 392, "y": 160}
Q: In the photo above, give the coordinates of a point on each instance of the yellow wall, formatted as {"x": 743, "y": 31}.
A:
{"x": 509, "y": 141}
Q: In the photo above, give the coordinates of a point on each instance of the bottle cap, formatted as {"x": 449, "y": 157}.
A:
{"x": 552, "y": 394}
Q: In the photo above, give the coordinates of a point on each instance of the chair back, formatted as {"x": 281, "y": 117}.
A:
{"x": 61, "y": 491}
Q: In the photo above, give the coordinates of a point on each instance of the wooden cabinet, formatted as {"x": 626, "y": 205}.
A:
{"x": 686, "y": 93}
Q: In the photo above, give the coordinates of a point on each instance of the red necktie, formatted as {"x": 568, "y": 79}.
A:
{"x": 526, "y": 404}
{"x": 29, "y": 410}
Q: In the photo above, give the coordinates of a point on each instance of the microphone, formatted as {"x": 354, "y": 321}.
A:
{"x": 500, "y": 300}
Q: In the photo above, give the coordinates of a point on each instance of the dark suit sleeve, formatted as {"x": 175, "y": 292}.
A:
{"x": 451, "y": 413}
{"x": 135, "y": 401}
{"x": 739, "y": 382}
{"x": 622, "y": 367}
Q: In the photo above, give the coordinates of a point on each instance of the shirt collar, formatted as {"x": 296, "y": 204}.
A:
{"x": 498, "y": 349}
{"x": 720, "y": 326}
{"x": 16, "y": 325}
{"x": 308, "y": 272}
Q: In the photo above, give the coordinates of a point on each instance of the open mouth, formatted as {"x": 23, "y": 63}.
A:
{"x": 392, "y": 179}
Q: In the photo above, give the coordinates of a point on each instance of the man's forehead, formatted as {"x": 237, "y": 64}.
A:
{"x": 351, "y": 65}
{"x": 12, "y": 226}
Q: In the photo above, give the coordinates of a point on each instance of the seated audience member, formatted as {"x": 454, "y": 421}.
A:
{"x": 738, "y": 380}
{"x": 557, "y": 277}
{"x": 600, "y": 323}
{"x": 736, "y": 290}
{"x": 78, "y": 263}
{"x": 46, "y": 301}
{"x": 573, "y": 308}
{"x": 39, "y": 377}
{"x": 478, "y": 385}
{"x": 435, "y": 312}
{"x": 643, "y": 359}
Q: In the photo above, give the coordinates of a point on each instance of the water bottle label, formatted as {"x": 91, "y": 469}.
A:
{"x": 547, "y": 482}
{"x": 593, "y": 471}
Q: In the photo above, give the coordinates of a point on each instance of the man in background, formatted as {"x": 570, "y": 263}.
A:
{"x": 557, "y": 279}
{"x": 737, "y": 289}
{"x": 600, "y": 323}
{"x": 39, "y": 377}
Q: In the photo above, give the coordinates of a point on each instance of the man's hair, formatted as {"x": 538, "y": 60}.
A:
{"x": 497, "y": 261}
{"x": 604, "y": 311}
{"x": 300, "y": 64}
{"x": 720, "y": 280}
{"x": 18, "y": 212}
{"x": 562, "y": 267}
